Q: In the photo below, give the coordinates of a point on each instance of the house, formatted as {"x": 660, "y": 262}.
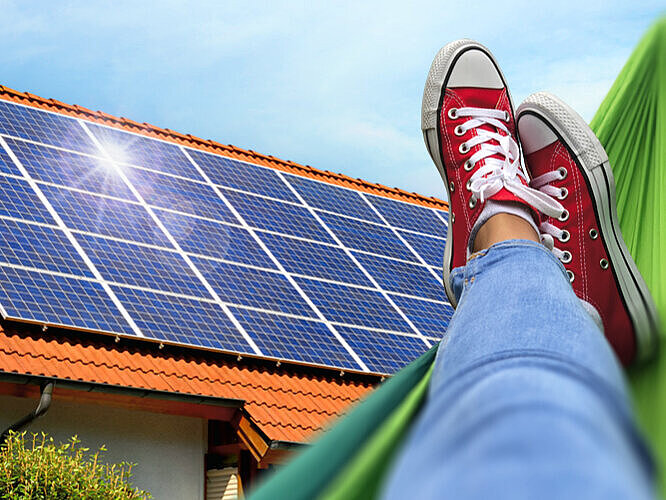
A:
{"x": 202, "y": 398}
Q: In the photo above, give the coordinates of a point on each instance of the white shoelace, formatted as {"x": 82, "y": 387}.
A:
{"x": 497, "y": 173}
{"x": 550, "y": 232}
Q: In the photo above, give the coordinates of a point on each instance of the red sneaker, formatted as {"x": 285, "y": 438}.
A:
{"x": 469, "y": 129}
{"x": 567, "y": 162}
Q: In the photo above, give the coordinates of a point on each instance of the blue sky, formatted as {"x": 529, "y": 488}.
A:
{"x": 336, "y": 85}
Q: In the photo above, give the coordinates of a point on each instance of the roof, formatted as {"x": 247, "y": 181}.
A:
{"x": 287, "y": 405}
{"x": 215, "y": 147}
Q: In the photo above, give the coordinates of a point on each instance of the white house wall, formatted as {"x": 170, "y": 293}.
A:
{"x": 169, "y": 450}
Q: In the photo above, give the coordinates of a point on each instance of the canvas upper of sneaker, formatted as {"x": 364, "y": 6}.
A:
{"x": 581, "y": 243}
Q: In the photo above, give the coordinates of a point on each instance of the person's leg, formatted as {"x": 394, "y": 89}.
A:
{"x": 527, "y": 399}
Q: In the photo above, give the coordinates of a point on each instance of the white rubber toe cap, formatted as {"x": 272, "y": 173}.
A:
{"x": 475, "y": 69}
{"x": 534, "y": 134}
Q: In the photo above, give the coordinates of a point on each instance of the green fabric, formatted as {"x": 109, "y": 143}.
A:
{"x": 631, "y": 124}
{"x": 350, "y": 460}
{"x": 311, "y": 473}
{"x": 363, "y": 476}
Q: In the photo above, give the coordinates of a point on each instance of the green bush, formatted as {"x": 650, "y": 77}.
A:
{"x": 35, "y": 468}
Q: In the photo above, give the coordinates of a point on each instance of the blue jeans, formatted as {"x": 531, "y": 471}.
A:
{"x": 527, "y": 399}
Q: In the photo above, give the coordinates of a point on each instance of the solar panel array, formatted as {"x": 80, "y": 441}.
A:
{"x": 113, "y": 232}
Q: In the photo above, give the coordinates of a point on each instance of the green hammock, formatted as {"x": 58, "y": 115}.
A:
{"x": 350, "y": 460}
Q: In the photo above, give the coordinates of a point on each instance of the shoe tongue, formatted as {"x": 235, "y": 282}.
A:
{"x": 540, "y": 161}
{"x": 474, "y": 97}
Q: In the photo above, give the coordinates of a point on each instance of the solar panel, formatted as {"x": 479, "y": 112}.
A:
{"x": 144, "y": 152}
{"x": 383, "y": 352}
{"x": 181, "y": 320}
{"x": 110, "y": 217}
{"x": 235, "y": 174}
{"x": 353, "y": 306}
{"x": 48, "y": 128}
{"x": 402, "y": 277}
{"x": 315, "y": 259}
{"x": 7, "y": 165}
{"x": 407, "y": 216}
{"x": 284, "y": 267}
{"x": 40, "y": 247}
{"x": 17, "y": 199}
{"x": 333, "y": 198}
{"x": 214, "y": 239}
{"x": 431, "y": 249}
{"x": 294, "y": 338}
{"x": 131, "y": 264}
{"x": 366, "y": 237}
{"x": 277, "y": 216}
{"x": 179, "y": 194}
{"x": 431, "y": 318}
{"x": 70, "y": 169}
{"x": 253, "y": 287}
{"x": 54, "y": 299}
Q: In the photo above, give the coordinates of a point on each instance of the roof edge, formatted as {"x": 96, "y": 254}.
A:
{"x": 229, "y": 150}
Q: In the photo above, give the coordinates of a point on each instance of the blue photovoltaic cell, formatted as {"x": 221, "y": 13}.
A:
{"x": 367, "y": 237}
{"x": 314, "y": 259}
{"x": 253, "y": 287}
{"x": 94, "y": 214}
{"x": 142, "y": 266}
{"x": 333, "y": 198}
{"x": 181, "y": 320}
{"x": 214, "y": 239}
{"x": 41, "y": 247}
{"x": 383, "y": 352}
{"x": 431, "y": 318}
{"x": 41, "y": 126}
{"x": 18, "y": 199}
{"x": 401, "y": 277}
{"x": 296, "y": 339}
{"x": 408, "y": 216}
{"x": 277, "y": 216}
{"x": 356, "y": 306}
{"x": 431, "y": 249}
{"x": 234, "y": 174}
{"x": 178, "y": 194}
{"x": 144, "y": 152}
{"x": 70, "y": 169}
{"x": 46, "y": 298}
{"x": 7, "y": 165}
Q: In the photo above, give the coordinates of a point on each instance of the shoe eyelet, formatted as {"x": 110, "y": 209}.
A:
{"x": 452, "y": 187}
{"x": 571, "y": 275}
{"x": 469, "y": 185}
{"x": 593, "y": 234}
{"x": 564, "y": 192}
{"x": 566, "y": 257}
{"x": 563, "y": 172}
{"x": 463, "y": 148}
{"x": 468, "y": 165}
{"x": 564, "y": 237}
{"x": 453, "y": 113}
{"x": 603, "y": 263}
{"x": 453, "y": 217}
{"x": 472, "y": 202}
{"x": 507, "y": 116}
{"x": 459, "y": 131}
{"x": 564, "y": 216}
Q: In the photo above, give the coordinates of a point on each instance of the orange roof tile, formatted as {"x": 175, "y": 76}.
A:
{"x": 287, "y": 403}
{"x": 215, "y": 147}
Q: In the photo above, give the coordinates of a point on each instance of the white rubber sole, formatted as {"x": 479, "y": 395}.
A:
{"x": 430, "y": 111}
{"x": 595, "y": 167}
